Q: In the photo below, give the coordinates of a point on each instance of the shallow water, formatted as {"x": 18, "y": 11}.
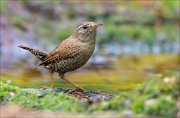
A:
{"x": 126, "y": 73}
{"x": 88, "y": 80}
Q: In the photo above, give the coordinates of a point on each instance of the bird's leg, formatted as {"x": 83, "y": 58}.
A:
{"x": 52, "y": 80}
{"x": 75, "y": 85}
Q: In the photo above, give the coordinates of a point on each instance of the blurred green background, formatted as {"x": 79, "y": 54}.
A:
{"x": 136, "y": 57}
{"x": 139, "y": 40}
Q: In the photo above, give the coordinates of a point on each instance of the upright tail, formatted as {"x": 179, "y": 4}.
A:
{"x": 39, "y": 54}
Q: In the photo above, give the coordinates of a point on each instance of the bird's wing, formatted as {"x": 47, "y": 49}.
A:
{"x": 63, "y": 52}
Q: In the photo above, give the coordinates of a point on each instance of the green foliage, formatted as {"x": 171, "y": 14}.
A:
{"x": 3, "y": 5}
{"x": 60, "y": 102}
{"x": 170, "y": 7}
{"x": 27, "y": 99}
{"x": 7, "y": 91}
{"x": 163, "y": 106}
{"x": 63, "y": 33}
{"x": 138, "y": 105}
{"x": 130, "y": 33}
{"x": 51, "y": 101}
{"x": 122, "y": 23}
{"x": 156, "y": 97}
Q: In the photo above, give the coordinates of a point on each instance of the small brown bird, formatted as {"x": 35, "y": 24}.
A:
{"x": 71, "y": 53}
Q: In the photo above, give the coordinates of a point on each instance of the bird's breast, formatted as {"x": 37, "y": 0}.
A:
{"x": 87, "y": 51}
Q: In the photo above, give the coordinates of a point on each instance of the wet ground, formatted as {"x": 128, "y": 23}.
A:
{"x": 91, "y": 96}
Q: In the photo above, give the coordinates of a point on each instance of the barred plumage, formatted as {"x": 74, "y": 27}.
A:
{"x": 70, "y": 54}
{"x": 39, "y": 54}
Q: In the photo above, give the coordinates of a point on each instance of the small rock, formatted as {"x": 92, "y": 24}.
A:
{"x": 8, "y": 81}
{"x": 12, "y": 93}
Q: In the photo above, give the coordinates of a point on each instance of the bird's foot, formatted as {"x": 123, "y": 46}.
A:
{"x": 80, "y": 89}
{"x": 78, "y": 93}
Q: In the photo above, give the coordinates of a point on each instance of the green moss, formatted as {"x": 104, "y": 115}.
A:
{"x": 51, "y": 101}
{"x": 138, "y": 105}
{"x": 163, "y": 106}
{"x": 7, "y": 91}
{"x": 155, "y": 98}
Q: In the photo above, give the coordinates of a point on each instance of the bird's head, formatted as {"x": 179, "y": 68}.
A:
{"x": 86, "y": 31}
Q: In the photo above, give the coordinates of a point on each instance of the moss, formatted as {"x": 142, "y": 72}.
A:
{"x": 51, "y": 101}
{"x": 163, "y": 106}
{"x": 155, "y": 97}
{"x": 7, "y": 91}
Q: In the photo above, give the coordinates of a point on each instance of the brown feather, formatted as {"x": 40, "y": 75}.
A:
{"x": 39, "y": 54}
{"x": 70, "y": 50}
{"x": 72, "y": 53}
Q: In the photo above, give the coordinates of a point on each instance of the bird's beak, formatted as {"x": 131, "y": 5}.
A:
{"x": 94, "y": 26}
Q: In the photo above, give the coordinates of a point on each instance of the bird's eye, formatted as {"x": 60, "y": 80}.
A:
{"x": 85, "y": 27}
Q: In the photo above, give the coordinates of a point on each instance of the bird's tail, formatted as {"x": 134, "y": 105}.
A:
{"x": 39, "y": 54}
